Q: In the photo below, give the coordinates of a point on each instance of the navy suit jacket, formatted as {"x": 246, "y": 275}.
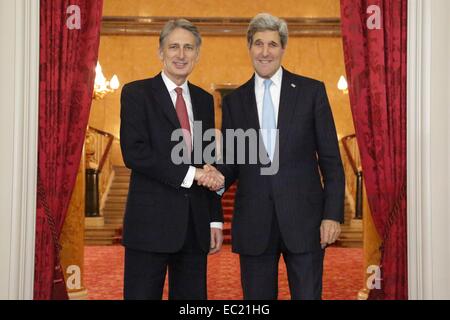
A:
{"x": 157, "y": 210}
{"x": 309, "y": 185}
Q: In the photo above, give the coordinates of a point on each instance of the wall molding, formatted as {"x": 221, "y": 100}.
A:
{"x": 419, "y": 150}
{"x": 428, "y": 150}
{"x": 19, "y": 89}
{"x": 25, "y": 153}
{"x": 217, "y": 26}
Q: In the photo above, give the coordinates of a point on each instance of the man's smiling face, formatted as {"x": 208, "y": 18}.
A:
{"x": 179, "y": 55}
{"x": 266, "y": 53}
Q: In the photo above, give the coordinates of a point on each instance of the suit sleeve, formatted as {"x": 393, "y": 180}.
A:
{"x": 329, "y": 157}
{"x": 229, "y": 168}
{"x": 215, "y": 205}
{"x": 136, "y": 144}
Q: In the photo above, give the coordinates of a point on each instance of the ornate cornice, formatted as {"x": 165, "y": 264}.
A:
{"x": 218, "y": 26}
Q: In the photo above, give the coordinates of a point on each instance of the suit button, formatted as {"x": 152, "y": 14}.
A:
{"x": 186, "y": 195}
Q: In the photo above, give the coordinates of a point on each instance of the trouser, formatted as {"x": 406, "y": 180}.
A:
{"x": 259, "y": 274}
{"x": 145, "y": 272}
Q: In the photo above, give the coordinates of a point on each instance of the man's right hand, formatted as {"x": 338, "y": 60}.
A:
{"x": 209, "y": 177}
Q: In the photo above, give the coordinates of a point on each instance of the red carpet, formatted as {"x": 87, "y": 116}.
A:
{"x": 343, "y": 274}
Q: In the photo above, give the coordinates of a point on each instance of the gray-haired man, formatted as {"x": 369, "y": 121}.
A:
{"x": 289, "y": 212}
{"x": 170, "y": 222}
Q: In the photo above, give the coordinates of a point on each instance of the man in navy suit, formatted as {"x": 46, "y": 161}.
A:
{"x": 295, "y": 210}
{"x": 170, "y": 222}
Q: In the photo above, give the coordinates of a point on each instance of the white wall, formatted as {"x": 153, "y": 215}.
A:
{"x": 440, "y": 148}
{"x": 19, "y": 62}
{"x": 429, "y": 149}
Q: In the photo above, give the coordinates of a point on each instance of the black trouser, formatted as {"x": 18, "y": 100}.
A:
{"x": 259, "y": 274}
{"x": 145, "y": 272}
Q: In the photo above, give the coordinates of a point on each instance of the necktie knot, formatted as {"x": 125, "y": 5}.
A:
{"x": 267, "y": 83}
{"x": 179, "y": 90}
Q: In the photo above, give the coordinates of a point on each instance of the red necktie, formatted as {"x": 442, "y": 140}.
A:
{"x": 183, "y": 117}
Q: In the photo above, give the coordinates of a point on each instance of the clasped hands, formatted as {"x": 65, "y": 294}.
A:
{"x": 209, "y": 177}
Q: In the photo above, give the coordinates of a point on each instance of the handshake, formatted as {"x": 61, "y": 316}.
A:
{"x": 209, "y": 177}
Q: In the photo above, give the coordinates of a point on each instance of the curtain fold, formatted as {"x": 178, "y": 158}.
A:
{"x": 66, "y": 78}
{"x": 375, "y": 61}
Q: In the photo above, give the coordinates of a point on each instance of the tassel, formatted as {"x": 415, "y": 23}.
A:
{"x": 59, "y": 291}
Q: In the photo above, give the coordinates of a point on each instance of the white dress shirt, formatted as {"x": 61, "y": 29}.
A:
{"x": 275, "y": 92}
{"x": 171, "y": 86}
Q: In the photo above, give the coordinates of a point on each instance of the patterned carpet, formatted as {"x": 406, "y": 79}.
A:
{"x": 343, "y": 274}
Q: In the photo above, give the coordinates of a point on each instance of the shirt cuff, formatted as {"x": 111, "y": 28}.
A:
{"x": 217, "y": 225}
{"x": 189, "y": 178}
{"x": 220, "y": 191}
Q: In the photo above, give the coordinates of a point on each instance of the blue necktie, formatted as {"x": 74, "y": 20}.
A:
{"x": 268, "y": 120}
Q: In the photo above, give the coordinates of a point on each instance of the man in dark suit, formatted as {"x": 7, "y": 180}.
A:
{"x": 289, "y": 211}
{"x": 170, "y": 222}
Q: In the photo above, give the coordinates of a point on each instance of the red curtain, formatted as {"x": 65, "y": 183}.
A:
{"x": 375, "y": 61}
{"x": 66, "y": 78}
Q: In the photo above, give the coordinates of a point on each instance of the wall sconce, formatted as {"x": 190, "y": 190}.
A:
{"x": 343, "y": 85}
{"x": 102, "y": 86}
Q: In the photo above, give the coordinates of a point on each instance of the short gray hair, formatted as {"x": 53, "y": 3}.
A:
{"x": 265, "y": 22}
{"x": 171, "y": 25}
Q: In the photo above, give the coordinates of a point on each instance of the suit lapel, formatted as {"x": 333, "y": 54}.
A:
{"x": 288, "y": 103}
{"x": 251, "y": 110}
{"x": 162, "y": 96}
{"x": 197, "y": 114}
{"x": 195, "y": 101}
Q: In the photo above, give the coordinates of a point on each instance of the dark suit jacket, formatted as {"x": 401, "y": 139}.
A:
{"x": 307, "y": 143}
{"x": 157, "y": 210}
